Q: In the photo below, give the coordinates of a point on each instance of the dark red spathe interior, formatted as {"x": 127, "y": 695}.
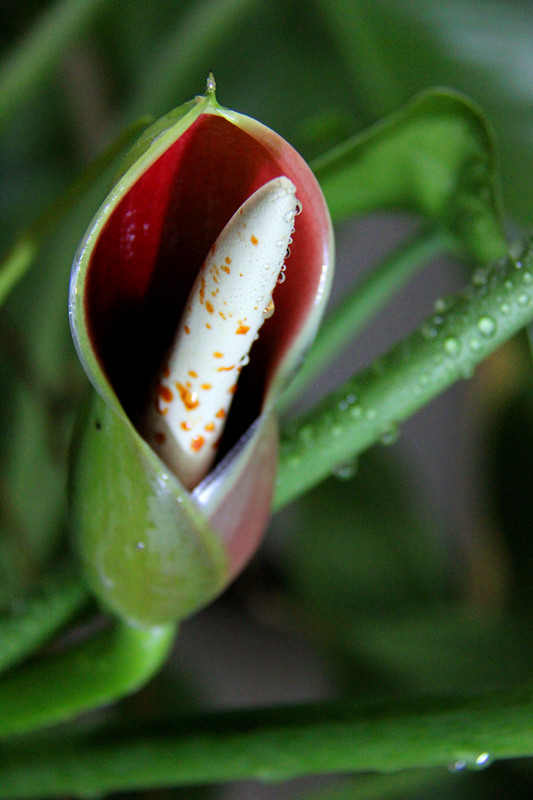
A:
{"x": 145, "y": 261}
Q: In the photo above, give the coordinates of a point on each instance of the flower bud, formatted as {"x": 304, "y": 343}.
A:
{"x": 171, "y": 302}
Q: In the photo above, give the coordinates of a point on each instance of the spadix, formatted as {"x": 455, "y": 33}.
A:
{"x": 191, "y": 396}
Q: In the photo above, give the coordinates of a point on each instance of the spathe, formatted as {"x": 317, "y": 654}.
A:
{"x": 151, "y": 550}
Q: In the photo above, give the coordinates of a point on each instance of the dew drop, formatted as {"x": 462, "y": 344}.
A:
{"x": 140, "y": 545}
{"x": 452, "y": 346}
{"x": 428, "y": 331}
{"x": 486, "y": 326}
{"x": 527, "y": 277}
{"x": 475, "y": 345}
{"x": 336, "y": 431}
{"x": 346, "y": 470}
{"x": 244, "y": 361}
{"x": 269, "y": 310}
{"x": 280, "y": 243}
{"x": 281, "y": 277}
{"x": 523, "y": 300}
{"x": 390, "y": 435}
{"x": 355, "y": 411}
{"x": 443, "y": 304}
{"x": 458, "y": 766}
{"x": 483, "y": 760}
{"x": 298, "y": 209}
{"x": 289, "y": 216}
{"x": 370, "y": 413}
{"x": 479, "y": 278}
{"x": 505, "y": 308}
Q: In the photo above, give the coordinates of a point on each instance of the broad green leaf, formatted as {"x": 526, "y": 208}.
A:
{"x": 434, "y": 156}
{"x": 391, "y": 48}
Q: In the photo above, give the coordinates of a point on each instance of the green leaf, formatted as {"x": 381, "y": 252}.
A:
{"x": 434, "y": 156}
{"x": 390, "y": 48}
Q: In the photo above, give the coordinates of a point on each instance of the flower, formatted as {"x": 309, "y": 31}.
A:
{"x": 153, "y": 550}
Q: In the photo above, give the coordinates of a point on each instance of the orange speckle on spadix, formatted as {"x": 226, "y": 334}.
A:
{"x": 242, "y": 329}
{"x": 197, "y": 443}
{"x": 190, "y": 399}
{"x": 254, "y": 239}
{"x": 165, "y": 393}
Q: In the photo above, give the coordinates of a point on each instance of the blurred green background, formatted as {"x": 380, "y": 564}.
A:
{"x": 380, "y": 581}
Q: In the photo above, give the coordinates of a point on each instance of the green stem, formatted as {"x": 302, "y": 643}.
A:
{"x": 365, "y": 300}
{"x": 112, "y": 664}
{"x": 370, "y": 406}
{"x": 41, "y": 49}
{"x": 275, "y": 744}
{"x": 41, "y": 615}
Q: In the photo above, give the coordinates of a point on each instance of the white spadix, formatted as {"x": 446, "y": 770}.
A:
{"x": 231, "y": 298}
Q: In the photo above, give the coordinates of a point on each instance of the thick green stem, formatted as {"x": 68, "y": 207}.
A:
{"x": 276, "y": 744}
{"x": 112, "y": 664}
{"x": 40, "y": 616}
{"x": 368, "y": 408}
{"x": 364, "y": 301}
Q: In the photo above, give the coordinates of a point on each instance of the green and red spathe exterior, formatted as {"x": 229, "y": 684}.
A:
{"x": 152, "y": 551}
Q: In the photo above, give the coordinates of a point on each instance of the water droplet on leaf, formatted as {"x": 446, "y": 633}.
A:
{"x": 346, "y": 470}
{"x": 390, "y": 435}
{"x": 486, "y": 326}
{"x": 452, "y": 346}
